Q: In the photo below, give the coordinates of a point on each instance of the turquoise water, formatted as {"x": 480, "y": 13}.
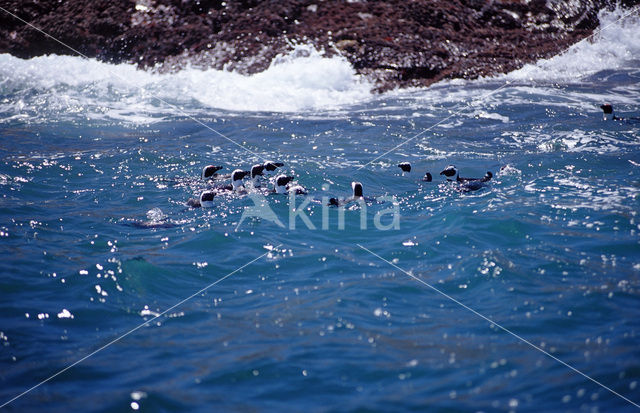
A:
{"x": 548, "y": 250}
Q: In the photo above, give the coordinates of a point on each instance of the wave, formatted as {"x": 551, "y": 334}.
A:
{"x": 302, "y": 80}
{"x": 614, "y": 46}
{"x": 305, "y": 80}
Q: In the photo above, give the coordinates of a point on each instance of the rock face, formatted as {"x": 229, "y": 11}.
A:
{"x": 396, "y": 43}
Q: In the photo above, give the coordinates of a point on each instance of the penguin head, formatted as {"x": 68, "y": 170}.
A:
{"x": 236, "y": 178}
{"x": 206, "y": 199}
{"x": 450, "y": 172}
{"x": 271, "y": 166}
{"x": 405, "y": 166}
{"x": 427, "y": 177}
{"x": 357, "y": 189}
{"x": 239, "y": 174}
{"x": 283, "y": 180}
{"x": 209, "y": 171}
{"x": 257, "y": 170}
{"x": 333, "y": 202}
{"x": 281, "y": 183}
{"x": 607, "y": 109}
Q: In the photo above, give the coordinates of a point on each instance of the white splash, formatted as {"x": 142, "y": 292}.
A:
{"x": 303, "y": 80}
{"x": 614, "y": 46}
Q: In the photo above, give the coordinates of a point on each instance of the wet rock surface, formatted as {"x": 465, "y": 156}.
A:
{"x": 395, "y": 43}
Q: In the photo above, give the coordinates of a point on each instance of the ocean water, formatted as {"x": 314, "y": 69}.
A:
{"x": 97, "y": 161}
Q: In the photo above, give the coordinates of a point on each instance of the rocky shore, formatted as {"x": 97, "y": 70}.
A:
{"x": 395, "y": 43}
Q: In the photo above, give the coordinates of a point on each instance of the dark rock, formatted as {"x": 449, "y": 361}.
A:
{"x": 397, "y": 44}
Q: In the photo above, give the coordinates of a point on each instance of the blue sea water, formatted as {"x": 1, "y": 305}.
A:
{"x": 95, "y": 239}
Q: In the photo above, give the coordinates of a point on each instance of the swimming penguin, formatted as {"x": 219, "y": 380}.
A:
{"x": 270, "y": 166}
{"x": 427, "y": 177}
{"x": 297, "y": 189}
{"x": 236, "y": 181}
{"x": 466, "y": 184}
{"x": 609, "y": 115}
{"x": 281, "y": 186}
{"x": 608, "y": 112}
{"x": 356, "y": 196}
{"x": 210, "y": 172}
{"x": 451, "y": 173}
{"x": 205, "y": 200}
{"x": 256, "y": 171}
{"x": 357, "y": 190}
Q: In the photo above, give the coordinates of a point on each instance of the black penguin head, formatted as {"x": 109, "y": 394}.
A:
{"x": 256, "y": 170}
{"x": 333, "y": 202}
{"x": 206, "y": 199}
{"x": 283, "y": 180}
{"x": 405, "y": 166}
{"x": 207, "y": 196}
{"x": 489, "y": 175}
{"x": 271, "y": 166}
{"x": 607, "y": 108}
{"x": 357, "y": 189}
{"x": 209, "y": 171}
{"x": 450, "y": 172}
{"x": 427, "y": 177}
{"x": 239, "y": 174}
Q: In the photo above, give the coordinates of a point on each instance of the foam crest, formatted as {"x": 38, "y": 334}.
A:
{"x": 303, "y": 80}
{"x": 614, "y": 46}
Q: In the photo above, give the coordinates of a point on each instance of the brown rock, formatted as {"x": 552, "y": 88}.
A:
{"x": 395, "y": 43}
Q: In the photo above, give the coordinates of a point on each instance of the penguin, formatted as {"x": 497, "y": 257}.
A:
{"x": 205, "y": 200}
{"x": 607, "y": 110}
{"x": 236, "y": 181}
{"x": 357, "y": 195}
{"x": 357, "y": 190}
{"x": 256, "y": 171}
{"x": 466, "y": 184}
{"x": 297, "y": 189}
{"x": 281, "y": 186}
{"x": 427, "y": 177}
{"x": 211, "y": 172}
{"x": 270, "y": 166}
{"x": 451, "y": 174}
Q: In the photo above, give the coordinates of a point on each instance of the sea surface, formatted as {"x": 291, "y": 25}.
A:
{"x": 472, "y": 302}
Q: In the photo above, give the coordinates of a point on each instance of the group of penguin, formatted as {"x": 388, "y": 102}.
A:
{"x": 282, "y": 184}
{"x": 451, "y": 175}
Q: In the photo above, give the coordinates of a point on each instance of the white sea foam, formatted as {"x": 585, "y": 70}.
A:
{"x": 614, "y": 46}
{"x": 304, "y": 81}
